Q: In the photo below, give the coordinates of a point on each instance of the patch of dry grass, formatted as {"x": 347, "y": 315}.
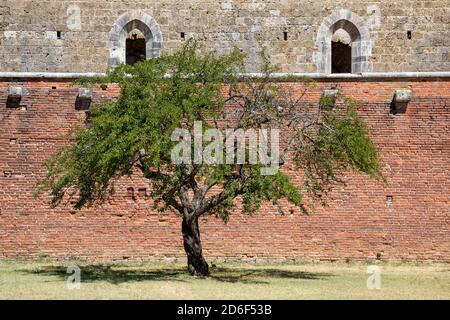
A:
{"x": 155, "y": 280}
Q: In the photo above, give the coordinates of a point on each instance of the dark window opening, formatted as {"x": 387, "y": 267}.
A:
{"x": 409, "y": 34}
{"x": 58, "y": 34}
{"x": 135, "y": 49}
{"x": 341, "y": 57}
{"x": 183, "y": 35}
{"x": 130, "y": 193}
{"x": 285, "y": 36}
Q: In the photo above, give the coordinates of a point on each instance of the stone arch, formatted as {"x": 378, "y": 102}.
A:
{"x": 360, "y": 41}
{"x": 123, "y": 26}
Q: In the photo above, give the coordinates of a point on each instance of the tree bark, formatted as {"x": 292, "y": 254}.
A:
{"x": 197, "y": 265}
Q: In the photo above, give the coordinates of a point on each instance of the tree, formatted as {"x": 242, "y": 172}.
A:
{"x": 160, "y": 105}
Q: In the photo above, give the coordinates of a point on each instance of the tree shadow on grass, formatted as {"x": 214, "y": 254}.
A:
{"x": 262, "y": 275}
{"x": 121, "y": 274}
{"x": 110, "y": 274}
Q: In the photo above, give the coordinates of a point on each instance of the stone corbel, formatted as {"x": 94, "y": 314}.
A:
{"x": 402, "y": 97}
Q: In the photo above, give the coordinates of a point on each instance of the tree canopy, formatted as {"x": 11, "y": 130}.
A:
{"x": 135, "y": 132}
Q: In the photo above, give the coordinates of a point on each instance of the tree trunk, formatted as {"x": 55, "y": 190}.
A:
{"x": 197, "y": 266}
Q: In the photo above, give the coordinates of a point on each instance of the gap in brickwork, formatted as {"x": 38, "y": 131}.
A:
{"x": 130, "y": 193}
{"x": 142, "y": 192}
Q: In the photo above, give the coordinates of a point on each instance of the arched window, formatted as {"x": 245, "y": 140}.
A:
{"x": 341, "y": 52}
{"x": 135, "y": 47}
{"x": 344, "y": 44}
{"x": 134, "y": 37}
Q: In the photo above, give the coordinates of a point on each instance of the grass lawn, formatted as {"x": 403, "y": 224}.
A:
{"x": 156, "y": 280}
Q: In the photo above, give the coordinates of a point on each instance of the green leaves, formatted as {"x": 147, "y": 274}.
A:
{"x": 338, "y": 142}
{"x": 157, "y": 96}
{"x": 269, "y": 188}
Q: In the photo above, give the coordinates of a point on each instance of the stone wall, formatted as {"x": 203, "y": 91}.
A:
{"x": 75, "y": 35}
{"x": 406, "y": 218}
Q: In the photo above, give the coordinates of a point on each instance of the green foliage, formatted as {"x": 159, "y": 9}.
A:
{"x": 341, "y": 143}
{"x": 172, "y": 91}
{"x": 157, "y": 96}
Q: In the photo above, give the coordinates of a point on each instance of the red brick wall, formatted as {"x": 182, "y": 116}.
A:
{"x": 358, "y": 224}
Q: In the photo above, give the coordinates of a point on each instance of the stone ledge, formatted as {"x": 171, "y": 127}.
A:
{"x": 280, "y": 76}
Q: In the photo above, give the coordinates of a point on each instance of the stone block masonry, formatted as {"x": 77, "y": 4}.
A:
{"x": 82, "y": 35}
{"x": 406, "y": 218}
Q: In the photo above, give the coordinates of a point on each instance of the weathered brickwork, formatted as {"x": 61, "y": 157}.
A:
{"x": 78, "y": 35}
{"x": 406, "y": 218}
